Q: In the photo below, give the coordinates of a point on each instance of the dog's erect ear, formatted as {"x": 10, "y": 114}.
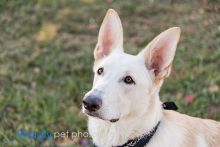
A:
{"x": 110, "y": 35}
{"x": 160, "y": 52}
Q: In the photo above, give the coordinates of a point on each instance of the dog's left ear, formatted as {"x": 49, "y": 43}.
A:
{"x": 160, "y": 52}
{"x": 110, "y": 35}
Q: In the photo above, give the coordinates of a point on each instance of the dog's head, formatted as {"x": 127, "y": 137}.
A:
{"x": 125, "y": 84}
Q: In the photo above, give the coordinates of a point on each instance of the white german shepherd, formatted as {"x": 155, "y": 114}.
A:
{"x": 123, "y": 105}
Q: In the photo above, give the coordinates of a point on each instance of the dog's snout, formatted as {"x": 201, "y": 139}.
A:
{"x": 92, "y": 103}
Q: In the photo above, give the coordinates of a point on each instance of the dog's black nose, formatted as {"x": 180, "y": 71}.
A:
{"x": 92, "y": 103}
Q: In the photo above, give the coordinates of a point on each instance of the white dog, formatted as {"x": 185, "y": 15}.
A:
{"x": 124, "y": 107}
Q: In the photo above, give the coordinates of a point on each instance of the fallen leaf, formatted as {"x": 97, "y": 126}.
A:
{"x": 67, "y": 141}
{"x": 10, "y": 109}
{"x": 36, "y": 70}
{"x": 47, "y": 32}
{"x": 213, "y": 109}
{"x": 64, "y": 12}
{"x": 189, "y": 98}
{"x": 213, "y": 88}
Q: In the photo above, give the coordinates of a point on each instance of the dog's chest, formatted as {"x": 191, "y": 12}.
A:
{"x": 104, "y": 136}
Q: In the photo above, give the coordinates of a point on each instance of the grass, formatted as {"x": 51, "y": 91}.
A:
{"x": 46, "y": 59}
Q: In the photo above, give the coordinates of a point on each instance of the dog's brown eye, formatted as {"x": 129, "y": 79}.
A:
{"x": 100, "y": 71}
{"x": 128, "y": 80}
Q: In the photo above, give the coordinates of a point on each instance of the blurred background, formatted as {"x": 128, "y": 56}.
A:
{"x": 46, "y": 58}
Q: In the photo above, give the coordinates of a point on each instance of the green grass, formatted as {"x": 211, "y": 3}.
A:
{"x": 42, "y": 82}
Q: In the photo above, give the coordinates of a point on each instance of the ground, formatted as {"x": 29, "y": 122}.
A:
{"x": 46, "y": 59}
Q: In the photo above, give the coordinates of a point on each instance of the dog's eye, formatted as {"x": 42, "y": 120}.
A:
{"x": 100, "y": 71}
{"x": 129, "y": 80}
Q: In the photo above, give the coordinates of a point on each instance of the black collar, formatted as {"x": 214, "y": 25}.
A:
{"x": 139, "y": 141}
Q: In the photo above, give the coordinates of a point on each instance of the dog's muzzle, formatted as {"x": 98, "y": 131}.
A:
{"x": 92, "y": 103}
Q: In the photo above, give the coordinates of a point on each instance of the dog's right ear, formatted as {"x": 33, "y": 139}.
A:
{"x": 110, "y": 35}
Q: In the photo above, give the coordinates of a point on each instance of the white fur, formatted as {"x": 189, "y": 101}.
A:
{"x": 137, "y": 106}
{"x": 201, "y": 141}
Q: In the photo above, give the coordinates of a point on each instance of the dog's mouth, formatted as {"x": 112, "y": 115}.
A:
{"x": 96, "y": 115}
{"x": 114, "y": 120}
{"x": 93, "y": 114}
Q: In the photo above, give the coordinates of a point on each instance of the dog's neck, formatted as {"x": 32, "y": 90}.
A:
{"x": 108, "y": 134}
